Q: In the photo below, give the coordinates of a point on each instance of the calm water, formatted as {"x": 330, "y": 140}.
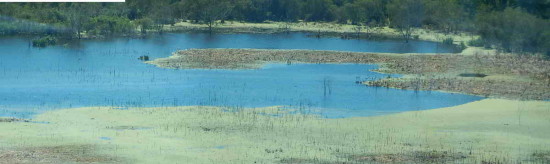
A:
{"x": 107, "y": 73}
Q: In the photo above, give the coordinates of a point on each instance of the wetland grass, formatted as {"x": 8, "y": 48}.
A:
{"x": 486, "y": 131}
{"x": 506, "y": 75}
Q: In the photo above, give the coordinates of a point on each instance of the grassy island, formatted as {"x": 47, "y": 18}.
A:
{"x": 475, "y": 72}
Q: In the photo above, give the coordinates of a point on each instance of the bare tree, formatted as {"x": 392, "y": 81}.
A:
{"x": 77, "y": 15}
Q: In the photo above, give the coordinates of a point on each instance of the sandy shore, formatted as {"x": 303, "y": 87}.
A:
{"x": 320, "y": 29}
{"x": 505, "y": 75}
{"x": 487, "y": 131}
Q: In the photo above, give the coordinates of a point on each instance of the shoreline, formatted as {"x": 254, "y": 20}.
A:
{"x": 489, "y": 130}
{"x": 504, "y": 75}
{"x": 315, "y": 29}
{"x": 320, "y": 29}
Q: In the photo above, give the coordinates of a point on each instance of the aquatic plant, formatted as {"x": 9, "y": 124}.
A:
{"x": 44, "y": 41}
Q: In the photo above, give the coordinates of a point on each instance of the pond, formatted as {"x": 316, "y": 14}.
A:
{"x": 108, "y": 73}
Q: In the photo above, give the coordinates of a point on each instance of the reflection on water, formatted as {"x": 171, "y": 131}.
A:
{"x": 107, "y": 73}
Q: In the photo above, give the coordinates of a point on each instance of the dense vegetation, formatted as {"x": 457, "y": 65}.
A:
{"x": 511, "y": 25}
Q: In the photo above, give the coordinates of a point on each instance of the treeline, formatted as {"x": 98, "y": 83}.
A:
{"x": 511, "y": 25}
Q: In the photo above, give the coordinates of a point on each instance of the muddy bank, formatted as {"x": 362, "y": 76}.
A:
{"x": 504, "y": 75}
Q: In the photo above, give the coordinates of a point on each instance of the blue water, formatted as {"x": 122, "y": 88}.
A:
{"x": 108, "y": 73}
{"x": 105, "y": 138}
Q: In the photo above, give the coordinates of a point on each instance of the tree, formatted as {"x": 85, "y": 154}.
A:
{"x": 144, "y": 24}
{"x": 109, "y": 25}
{"x": 539, "y": 8}
{"x": 160, "y": 13}
{"x": 511, "y": 25}
{"x": 286, "y": 10}
{"x": 405, "y": 15}
{"x": 77, "y": 15}
{"x": 514, "y": 30}
{"x": 318, "y": 10}
{"x": 208, "y": 11}
{"x": 447, "y": 15}
{"x": 253, "y": 10}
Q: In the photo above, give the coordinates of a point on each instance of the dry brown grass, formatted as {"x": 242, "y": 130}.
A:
{"x": 517, "y": 77}
{"x": 10, "y": 119}
{"x": 254, "y": 58}
{"x": 54, "y": 154}
{"x": 509, "y": 76}
{"x": 414, "y": 157}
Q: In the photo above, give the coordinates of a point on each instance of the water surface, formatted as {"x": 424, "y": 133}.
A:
{"x": 107, "y": 73}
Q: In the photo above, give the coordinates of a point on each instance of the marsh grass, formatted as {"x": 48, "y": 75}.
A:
{"x": 54, "y": 154}
{"x": 541, "y": 156}
{"x": 507, "y": 76}
{"x": 2, "y": 120}
{"x": 480, "y": 75}
{"x": 413, "y": 157}
{"x": 486, "y": 131}
{"x": 255, "y": 58}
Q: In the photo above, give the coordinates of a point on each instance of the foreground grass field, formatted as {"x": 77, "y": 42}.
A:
{"x": 488, "y": 131}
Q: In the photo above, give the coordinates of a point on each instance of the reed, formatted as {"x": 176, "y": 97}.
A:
{"x": 487, "y": 131}
{"x": 507, "y": 75}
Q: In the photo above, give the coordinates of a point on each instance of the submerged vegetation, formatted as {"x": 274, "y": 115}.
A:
{"x": 44, "y": 41}
{"x": 488, "y": 131}
{"x": 509, "y": 76}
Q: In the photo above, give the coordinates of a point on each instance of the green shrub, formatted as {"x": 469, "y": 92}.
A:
{"x": 109, "y": 25}
{"x": 476, "y": 43}
{"x": 144, "y": 24}
{"x": 44, "y": 41}
{"x": 448, "y": 41}
{"x": 462, "y": 46}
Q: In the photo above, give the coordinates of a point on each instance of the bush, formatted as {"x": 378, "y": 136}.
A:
{"x": 44, "y": 41}
{"x": 462, "y": 46}
{"x": 476, "y": 43}
{"x": 144, "y": 24}
{"x": 448, "y": 41}
{"x": 108, "y": 25}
